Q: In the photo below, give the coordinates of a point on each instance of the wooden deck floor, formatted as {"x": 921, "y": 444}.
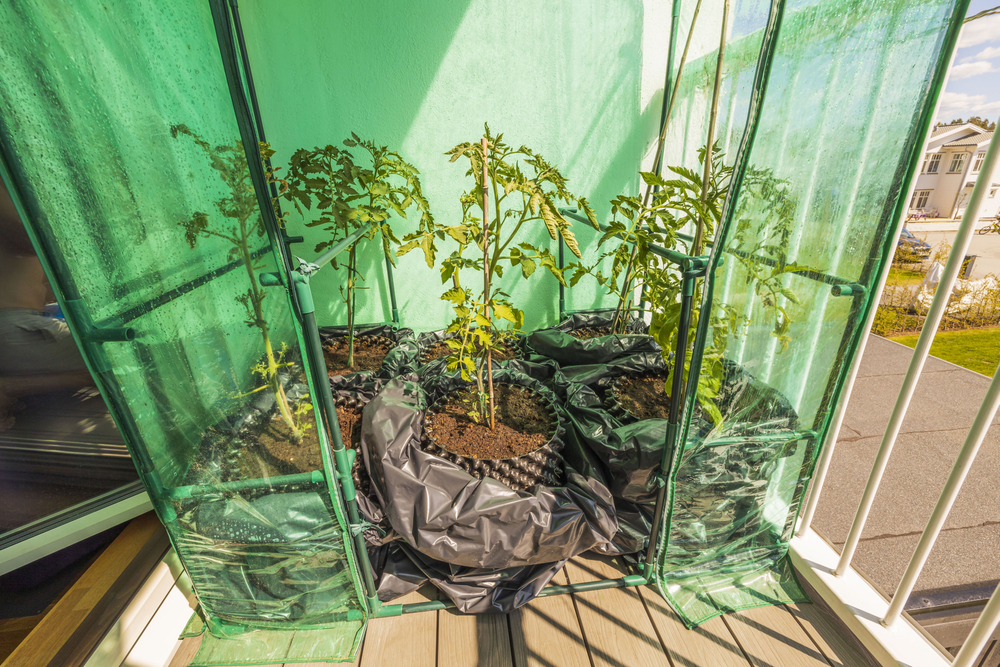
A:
{"x": 621, "y": 627}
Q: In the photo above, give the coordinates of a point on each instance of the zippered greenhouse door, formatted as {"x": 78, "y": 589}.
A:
{"x": 129, "y": 167}
{"x": 817, "y": 195}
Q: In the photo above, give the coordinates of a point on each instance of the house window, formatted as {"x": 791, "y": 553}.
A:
{"x": 920, "y": 198}
{"x": 932, "y": 165}
{"x": 993, "y": 193}
{"x": 979, "y": 162}
{"x": 957, "y": 163}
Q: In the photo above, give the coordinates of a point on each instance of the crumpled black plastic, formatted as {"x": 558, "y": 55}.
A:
{"x": 556, "y": 343}
{"x": 450, "y": 516}
{"x": 473, "y": 590}
{"x": 400, "y": 359}
{"x": 630, "y": 452}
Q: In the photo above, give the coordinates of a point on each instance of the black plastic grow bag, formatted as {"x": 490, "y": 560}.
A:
{"x": 401, "y": 356}
{"x": 446, "y": 514}
{"x": 557, "y": 344}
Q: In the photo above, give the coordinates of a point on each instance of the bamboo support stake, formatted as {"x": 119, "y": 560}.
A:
{"x": 657, "y": 160}
{"x": 699, "y": 235}
{"x": 486, "y": 275}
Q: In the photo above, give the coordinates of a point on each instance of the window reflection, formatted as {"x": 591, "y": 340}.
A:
{"x": 58, "y": 444}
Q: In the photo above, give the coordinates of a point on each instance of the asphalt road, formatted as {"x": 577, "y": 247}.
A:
{"x": 987, "y": 247}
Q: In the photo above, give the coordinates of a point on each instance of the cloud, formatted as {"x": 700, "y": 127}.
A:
{"x": 980, "y": 31}
{"x": 966, "y": 70}
{"x": 961, "y": 105}
{"x": 987, "y": 54}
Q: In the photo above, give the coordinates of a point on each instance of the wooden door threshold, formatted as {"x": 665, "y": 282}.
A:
{"x": 75, "y": 625}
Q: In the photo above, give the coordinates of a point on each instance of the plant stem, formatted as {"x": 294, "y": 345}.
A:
{"x": 256, "y": 298}
{"x": 486, "y": 274}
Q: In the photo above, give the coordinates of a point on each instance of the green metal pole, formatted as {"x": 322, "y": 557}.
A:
{"x": 673, "y": 416}
{"x": 343, "y": 457}
{"x": 392, "y": 290}
{"x": 562, "y": 289}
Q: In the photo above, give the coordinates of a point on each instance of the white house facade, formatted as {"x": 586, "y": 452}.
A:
{"x": 952, "y": 164}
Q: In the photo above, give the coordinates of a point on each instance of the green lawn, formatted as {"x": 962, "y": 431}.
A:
{"x": 898, "y": 276}
{"x": 976, "y": 349}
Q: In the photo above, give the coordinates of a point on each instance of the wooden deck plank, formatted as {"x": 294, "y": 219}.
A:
{"x": 828, "y": 637}
{"x": 711, "y": 644}
{"x": 186, "y": 650}
{"x": 410, "y": 639}
{"x": 468, "y": 640}
{"x": 546, "y": 632}
{"x": 615, "y": 624}
{"x": 771, "y": 637}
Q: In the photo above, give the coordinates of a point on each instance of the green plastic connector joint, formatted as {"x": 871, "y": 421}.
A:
{"x": 269, "y": 280}
{"x": 303, "y": 292}
{"x": 697, "y": 264}
{"x": 80, "y": 315}
{"x": 635, "y": 580}
{"x": 852, "y": 289}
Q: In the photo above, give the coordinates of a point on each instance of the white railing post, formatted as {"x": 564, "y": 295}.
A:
{"x": 934, "y": 315}
{"x": 987, "y": 411}
{"x": 981, "y": 632}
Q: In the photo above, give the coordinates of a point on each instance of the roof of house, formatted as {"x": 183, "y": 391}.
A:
{"x": 945, "y": 129}
{"x": 972, "y": 140}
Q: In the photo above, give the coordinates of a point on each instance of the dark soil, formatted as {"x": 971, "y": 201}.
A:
{"x": 644, "y": 397}
{"x": 588, "y": 333}
{"x": 523, "y": 424}
{"x": 369, "y": 353}
{"x": 273, "y": 452}
{"x": 350, "y": 426}
{"x": 440, "y": 350}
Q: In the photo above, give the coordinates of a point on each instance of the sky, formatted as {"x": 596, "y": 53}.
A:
{"x": 974, "y": 80}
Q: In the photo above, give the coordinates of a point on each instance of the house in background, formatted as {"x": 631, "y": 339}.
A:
{"x": 952, "y": 163}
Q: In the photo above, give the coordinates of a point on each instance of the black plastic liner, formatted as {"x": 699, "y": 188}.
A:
{"x": 448, "y": 515}
{"x": 473, "y": 590}
{"x": 557, "y": 344}
{"x": 400, "y": 359}
{"x": 629, "y": 450}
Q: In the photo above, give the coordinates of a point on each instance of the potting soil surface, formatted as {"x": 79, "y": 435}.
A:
{"x": 440, "y": 350}
{"x": 274, "y": 452}
{"x": 350, "y": 426}
{"x": 588, "y": 333}
{"x": 369, "y": 353}
{"x": 523, "y": 424}
{"x": 645, "y": 397}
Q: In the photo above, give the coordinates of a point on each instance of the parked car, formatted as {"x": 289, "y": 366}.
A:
{"x": 910, "y": 244}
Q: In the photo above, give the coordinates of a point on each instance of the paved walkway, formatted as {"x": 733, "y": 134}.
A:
{"x": 967, "y": 553}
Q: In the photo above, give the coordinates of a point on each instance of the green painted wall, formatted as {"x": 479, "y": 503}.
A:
{"x": 561, "y": 77}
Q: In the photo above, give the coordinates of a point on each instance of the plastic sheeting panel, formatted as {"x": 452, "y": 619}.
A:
{"x": 844, "y": 105}
{"x": 98, "y": 111}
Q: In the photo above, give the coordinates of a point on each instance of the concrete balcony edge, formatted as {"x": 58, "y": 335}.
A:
{"x": 861, "y": 607}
